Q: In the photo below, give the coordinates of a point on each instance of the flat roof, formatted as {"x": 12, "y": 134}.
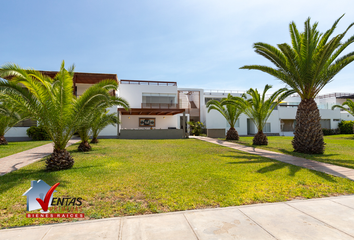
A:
{"x": 85, "y": 78}
{"x": 146, "y": 82}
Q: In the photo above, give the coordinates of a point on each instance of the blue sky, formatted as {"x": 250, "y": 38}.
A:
{"x": 198, "y": 43}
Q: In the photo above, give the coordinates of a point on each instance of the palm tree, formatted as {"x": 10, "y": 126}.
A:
{"x": 307, "y": 66}
{"x": 102, "y": 120}
{"x": 85, "y": 130}
{"x": 258, "y": 108}
{"x": 51, "y": 102}
{"x": 9, "y": 117}
{"x": 350, "y": 107}
{"x": 231, "y": 112}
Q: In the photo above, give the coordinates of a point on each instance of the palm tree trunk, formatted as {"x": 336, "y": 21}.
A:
{"x": 308, "y": 132}
{"x": 260, "y": 139}
{"x": 94, "y": 140}
{"x": 84, "y": 146}
{"x": 232, "y": 134}
{"x": 59, "y": 160}
{"x": 3, "y": 140}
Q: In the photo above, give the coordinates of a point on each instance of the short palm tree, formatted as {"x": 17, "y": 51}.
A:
{"x": 346, "y": 106}
{"x": 89, "y": 127}
{"x": 258, "y": 108}
{"x": 51, "y": 102}
{"x": 231, "y": 112}
{"x": 102, "y": 120}
{"x": 9, "y": 117}
{"x": 307, "y": 66}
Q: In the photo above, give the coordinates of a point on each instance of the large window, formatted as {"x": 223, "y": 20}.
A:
{"x": 325, "y": 123}
{"x": 26, "y": 123}
{"x": 287, "y": 125}
{"x": 169, "y": 98}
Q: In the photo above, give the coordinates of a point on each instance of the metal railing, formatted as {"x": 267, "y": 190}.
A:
{"x": 160, "y": 105}
{"x": 330, "y": 95}
{"x": 143, "y": 82}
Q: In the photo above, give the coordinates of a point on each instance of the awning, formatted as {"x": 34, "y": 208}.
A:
{"x": 150, "y": 111}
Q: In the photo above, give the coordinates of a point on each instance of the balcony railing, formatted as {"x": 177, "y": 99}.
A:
{"x": 160, "y": 105}
{"x": 288, "y": 106}
{"x": 331, "y": 95}
{"x": 153, "y": 83}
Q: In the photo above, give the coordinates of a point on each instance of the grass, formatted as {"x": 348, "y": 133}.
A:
{"x": 132, "y": 177}
{"x": 16, "y": 147}
{"x": 339, "y": 148}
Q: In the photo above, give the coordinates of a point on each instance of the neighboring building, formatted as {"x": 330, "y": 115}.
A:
{"x": 163, "y": 107}
{"x": 81, "y": 81}
{"x": 282, "y": 120}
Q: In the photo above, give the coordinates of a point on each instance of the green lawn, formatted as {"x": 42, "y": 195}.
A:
{"x": 339, "y": 148}
{"x": 131, "y": 177}
{"x": 16, "y": 147}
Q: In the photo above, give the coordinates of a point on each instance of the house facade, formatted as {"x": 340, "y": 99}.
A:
{"x": 161, "y": 110}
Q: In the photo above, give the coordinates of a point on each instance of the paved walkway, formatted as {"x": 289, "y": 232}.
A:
{"x": 301, "y": 162}
{"x": 19, "y": 160}
{"x": 325, "y": 218}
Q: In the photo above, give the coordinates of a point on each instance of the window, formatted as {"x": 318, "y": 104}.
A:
{"x": 267, "y": 128}
{"x": 325, "y": 123}
{"x": 287, "y": 125}
{"x": 26, "y": 123}
{"x": 208, "y": 99}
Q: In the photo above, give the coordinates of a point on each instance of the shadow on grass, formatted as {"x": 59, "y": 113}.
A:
{"x": 22, "y": 175}
{"x": 273, "y": 167}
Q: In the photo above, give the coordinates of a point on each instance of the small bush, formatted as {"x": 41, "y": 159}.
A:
{"x": 327, "y": 131}
{"x": 346, "y": 127}
{"x": 37, "y": 133}
{"x": 196, "y": 128}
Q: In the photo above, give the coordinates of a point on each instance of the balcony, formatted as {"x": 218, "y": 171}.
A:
{"x": 160, "y": 106}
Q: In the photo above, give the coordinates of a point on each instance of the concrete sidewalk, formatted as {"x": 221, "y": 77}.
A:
{"x": 325, "y": 218}
{"x": 301, "y": 162}
{"x": 19, "y": 160}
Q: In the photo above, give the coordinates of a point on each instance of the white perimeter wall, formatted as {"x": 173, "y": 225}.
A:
{"x": 17, "y": 132}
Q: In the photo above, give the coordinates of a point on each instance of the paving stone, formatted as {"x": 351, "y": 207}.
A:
{"x": 160, "y": 227}
{"x": 28, "y": 233}
{"x": 334, "y": 214}
{"x": 19, "y": 160}
{"x": 96, "y": 229}
{"x": 285, "y": 222}
{"x": 225, "y": 224}
{"x": 347, "y": 201}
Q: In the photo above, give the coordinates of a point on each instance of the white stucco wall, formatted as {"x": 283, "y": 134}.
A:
{"x": 110, "y": 130}
{"x": 17, "y": 132}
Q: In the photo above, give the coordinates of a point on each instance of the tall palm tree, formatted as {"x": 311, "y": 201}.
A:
{"x": 258, "y": 108}
{"x": 9, "y": 117}
{"x": 307, "y": 66}
{"x": 231, "y": 112}
{"x": 102, "y": 120}
{"x": 350, "y": 107}
{"x": 51, "y": 102}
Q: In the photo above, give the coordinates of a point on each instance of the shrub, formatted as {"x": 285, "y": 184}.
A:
{"x": 346, "y": 127}
{"x": 196, "y": 127}
{"x": 37, "y": 133}
{"x": 327, "y": 131}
